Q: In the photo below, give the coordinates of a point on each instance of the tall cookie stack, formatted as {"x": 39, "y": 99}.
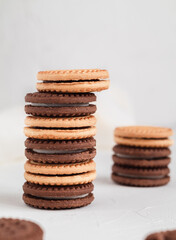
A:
{"x": 141, "y": 156}
{"x": 60, "y": 146}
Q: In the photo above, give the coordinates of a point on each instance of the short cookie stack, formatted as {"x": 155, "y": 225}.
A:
{"x": 60, "y": 146}
{"x": 141, "y": 156}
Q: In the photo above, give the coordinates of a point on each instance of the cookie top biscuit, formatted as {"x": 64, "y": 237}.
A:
{"x": 59, "y": 169}
{"x": 74, "y": 179}
{"x": 70, "y": 122}
{"x": 60, "y": 98}
{"x": 76, "y": 74}
{"x": 140, "y": 142}
{"x": 143, "y": 132}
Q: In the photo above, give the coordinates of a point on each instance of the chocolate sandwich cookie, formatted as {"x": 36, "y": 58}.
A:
{"x": 50, "y": 151}
{"x": 144, "y": 153}
{"x": 58, "y": 204}
{"x": 54, "y": 156}
{"x": 77, "y": 81}
{"x": 43, "y": 191}
{"x": 140, "y": 182}
{"x": 145, "y": 172}
{"x": 60, "y": 105}
{"x": 151, "y": 163}
{"x": 167, "y": 235}
{"x": 16, "y": 229}
{"x": 85, "y": 143}
{"x": 58, "y": 197}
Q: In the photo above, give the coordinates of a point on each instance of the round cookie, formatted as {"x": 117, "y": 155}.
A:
{"x": 71, "y": 122}
{"x": 86, "y": 143}
{"x": 59, "y": 134}
{"x": 17, "y": 229}
{"x": 143, "y": 132}
{"x": 43, "y": 191}
{"x": 75, "y": 74}
{"x": 140, "y": 172}
{"x": 47, "y": 157}
{"x": 168, "y": 235}
{"x": 152, "y": 163}
{"x": 59, "y": 169}
{"x": 140, "y": 182}
{"x": 77, "y": 87}
{"x": 77, "y": 179}
{"x": 138, "y": 152}
{"x": 60, "y": 111}
{"x": 58, "y": 204}
{"x": 60, "y": 98}
{"x": 137, "y": 142}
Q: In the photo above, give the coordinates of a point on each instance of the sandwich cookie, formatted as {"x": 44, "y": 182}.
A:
{"x": 69, "y": 81}
{"x": 58, "y": 197}
{"x": 59, "y": 105}
{"x": 85, "y": 143}
{"x": 143, "y": 136}
{"x": 16, "y": 229}
{"x": 143, "y": 164}
{"x": 66, "y": 151}
{"x": 60, "y": 128}
{"x": 59, "y": 134}
{"x": 74, "y": 179}
{"x": 59, "y": 169}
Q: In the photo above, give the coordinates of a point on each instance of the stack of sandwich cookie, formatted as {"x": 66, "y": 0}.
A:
{"x": 60, "y": 146}
{"x": 141, "y": 156}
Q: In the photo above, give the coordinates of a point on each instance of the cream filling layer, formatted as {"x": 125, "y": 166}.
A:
{"x": 60, "y": 105}
{"x": 58, "y": 151}
{"x": 66, "y": 198}
{"x": 140, "y": 177}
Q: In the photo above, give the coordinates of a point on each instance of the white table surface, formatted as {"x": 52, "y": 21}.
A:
{"x": 117, "y": 212}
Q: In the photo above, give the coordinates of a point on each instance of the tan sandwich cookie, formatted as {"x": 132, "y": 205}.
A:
{"x": 70, "y": 122}
{"x": 70, "y": 87}
{"x": 59, "y": 169}
{"x": 81, "y": 178}
{"x": 165, "y": 142}
{"x": 60, "y": 134}
{"x": 75, "y": 74}
{"x": 143, "y": 132}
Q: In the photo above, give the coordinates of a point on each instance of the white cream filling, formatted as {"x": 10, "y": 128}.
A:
{"x": 131, "y": 157}
{"x": 141, "y": 177}
{"x": 66, "y": 198}
{"x": 60, "y": 105}
{"x": 58, "y": 151}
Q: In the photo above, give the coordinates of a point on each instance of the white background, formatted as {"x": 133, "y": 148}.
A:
{"x": 134, "y": 39}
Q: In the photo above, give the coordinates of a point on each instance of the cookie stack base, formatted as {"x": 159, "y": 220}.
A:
{"x": 129, "y": 181}
{"x": 57, "y": 197}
